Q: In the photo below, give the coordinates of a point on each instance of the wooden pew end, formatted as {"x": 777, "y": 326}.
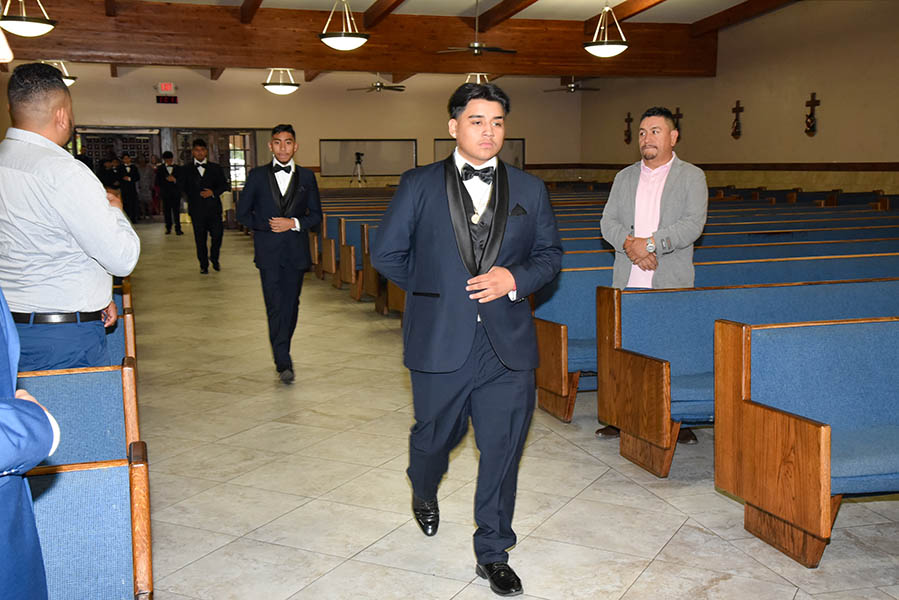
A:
{"x": 655, "y": 459}
{"x": 802, "y": 546}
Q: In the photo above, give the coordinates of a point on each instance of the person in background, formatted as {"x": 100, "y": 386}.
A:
{"x": 63, "y": 236}
{"x": 169, "y": 180}
{"x": 129, "y": 175}
{"x": 204, "y": 184}
{"x": 281, "y": 237}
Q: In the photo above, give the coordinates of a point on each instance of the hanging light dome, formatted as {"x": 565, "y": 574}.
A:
{"x": 282, "y": 86}
{"x": 349, "y": 38}
{"x": 24, "y": 25}
{"x": 601, "y": 45}
{"x": 5, "y": 51}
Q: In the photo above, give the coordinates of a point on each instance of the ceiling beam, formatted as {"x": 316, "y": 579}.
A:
{"x": 155, "y": 33}
{"x": 309, "y": 75}
{"x": 113, "y": 70}
{"x": 624, "y": 10}
{"x": 378, "y": 11}
{"x": 110, "y": 8}
{"x": 735, "y": 14}
{"x": 216, "y": 72}
{"x": 4, "y": 67}
{"x": 502, "y": 11}
{"x": 248, "y": 10}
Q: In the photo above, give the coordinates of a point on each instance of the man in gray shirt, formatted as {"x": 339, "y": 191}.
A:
{"x": 62, "y": 237}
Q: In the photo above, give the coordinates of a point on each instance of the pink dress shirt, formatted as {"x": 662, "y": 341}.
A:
{"x": 646, "y": 214}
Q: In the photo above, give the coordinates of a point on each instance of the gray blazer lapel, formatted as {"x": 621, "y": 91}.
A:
{"x": 669, "y": 200}
{"x": 500, "y": 215}
{"x": 457, "y": 214}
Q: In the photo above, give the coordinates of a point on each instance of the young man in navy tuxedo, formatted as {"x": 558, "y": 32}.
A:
{"x": 280, "y": 204}
{"x": 469, "y": 238}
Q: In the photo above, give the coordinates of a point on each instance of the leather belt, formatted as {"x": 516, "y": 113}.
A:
{"x": 55, "y": 318}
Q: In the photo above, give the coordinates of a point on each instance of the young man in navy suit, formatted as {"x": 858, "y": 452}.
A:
{"x": 280, "y": 204}
{"x": 469, "y": 238}
{"x": 168, "y": 178}
{"x": 204, "y": 183}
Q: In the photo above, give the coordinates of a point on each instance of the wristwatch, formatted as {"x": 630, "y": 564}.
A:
{"x": 650, "y": 245}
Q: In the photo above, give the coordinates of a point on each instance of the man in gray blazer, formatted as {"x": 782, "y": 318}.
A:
{"x": 656, "y": 210}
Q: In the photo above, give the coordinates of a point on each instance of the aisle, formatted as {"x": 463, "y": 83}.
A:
{"x": 273, "y": 492}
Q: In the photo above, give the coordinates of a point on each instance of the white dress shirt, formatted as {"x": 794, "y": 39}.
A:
{"x": 480, "y": 193}
{"x": 60, "y": 240}
{"x": 201, "y": 167}
{"x": 283, "y": 179}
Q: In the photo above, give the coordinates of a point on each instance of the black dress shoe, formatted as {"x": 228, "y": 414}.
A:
{"x": 686, "y": 436}
{"x": 427, "y": 514}
{"x": 503, "y": 580}
{"x": 286, "y": 376}
{"x": 204, "y": 271}
{"x": 179, "y": 232}
{"x": 168, "y": 232}
{"x": 609, "y": 431}
{"x": 216, "y": 265}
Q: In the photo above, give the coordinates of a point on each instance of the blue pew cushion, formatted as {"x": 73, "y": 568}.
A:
{"x": 693, "y": 398}
{"x": 871, "y": 451}
{"x": 581, "y": 354}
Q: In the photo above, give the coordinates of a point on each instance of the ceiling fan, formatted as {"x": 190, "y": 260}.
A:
{"x": 378, "y": 86}
{"x": 477, "y": 48}
{"x": 572, "y": 87}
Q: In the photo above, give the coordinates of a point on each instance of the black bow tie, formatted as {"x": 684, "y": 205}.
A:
{"x": 200, "y": 164}
{"x": 285, "y": 168}
{"x": 485, "y": 174}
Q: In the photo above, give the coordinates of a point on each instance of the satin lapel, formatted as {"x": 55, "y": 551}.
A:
{"x": 457, "y": 214}
{"x": 273, "y": 185}
{"x": 290, "y": 195}
{"x": 500, "y": 215}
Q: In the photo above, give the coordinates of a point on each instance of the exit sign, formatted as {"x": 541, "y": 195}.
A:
{"x": 166, "y": 99}
{"x": 166, "y": 87}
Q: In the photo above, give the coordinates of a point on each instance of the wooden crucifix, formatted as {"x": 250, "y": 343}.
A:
{"x": 736, "y": 128}
{"x": 678, "y": 115}
{"x": 627, "y": 129}
{"x": 811, "y": 121}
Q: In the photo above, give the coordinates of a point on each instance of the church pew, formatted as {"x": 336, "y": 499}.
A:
{"x": 328, "y": 240}
{"x": 649, "y": 384}
{"x": 566, "y": 317}
{"x": 91, "y": 498}
{"x": 352, "y": 251}
{"x": 805, "y": 413}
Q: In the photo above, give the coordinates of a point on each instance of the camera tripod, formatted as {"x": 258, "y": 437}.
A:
{"x": 358, "y": 176}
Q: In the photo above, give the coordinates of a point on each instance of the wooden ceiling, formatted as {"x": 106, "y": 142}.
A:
{"x": 249, "y": 35}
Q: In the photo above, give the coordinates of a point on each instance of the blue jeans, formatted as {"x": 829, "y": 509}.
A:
{"x": 62, "y": 346}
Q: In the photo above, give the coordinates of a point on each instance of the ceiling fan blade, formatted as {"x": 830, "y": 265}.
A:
{"x": 452, "y": 49}
{"x": 557, "y": 90}
{"x": 366, "y": 89}
{"x": 395, "y": 88}
{"x": 583, "y": 89}
{"x": 497, "y": 49}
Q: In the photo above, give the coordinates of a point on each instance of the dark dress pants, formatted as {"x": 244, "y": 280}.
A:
{"x": 171, "y": 210}
{"x": 500, "y": 403}
{"x": 208, "y": 223}
{"x": 131, "y": 204}
{"x": 281, "y": 287}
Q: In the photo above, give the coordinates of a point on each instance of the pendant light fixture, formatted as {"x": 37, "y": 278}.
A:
{"x": 601, "y": 45}
{"x": 22, "y": 24}
{"x": 67, "y": 79}
{"x": 349, "y": 38}
{"x": 5, "y": 51}
{"x": 283, "y": 85}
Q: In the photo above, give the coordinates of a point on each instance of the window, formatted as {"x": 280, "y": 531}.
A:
{"x": 238, "y": 155}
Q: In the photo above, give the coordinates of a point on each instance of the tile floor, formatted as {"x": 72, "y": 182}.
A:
{"x": 273, "y": 492}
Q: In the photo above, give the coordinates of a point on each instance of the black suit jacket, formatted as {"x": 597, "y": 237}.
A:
{"x": 424, "y": 246}
{"x": 214, "y": 179}
{"x": 261, "y": 200}
{"x": 167, "y": 189}
{"x": 129, "y": 188}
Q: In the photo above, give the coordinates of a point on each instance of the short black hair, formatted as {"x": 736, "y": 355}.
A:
{"x": 467, "y": 92}
{"x": 167, "y": 154}
{"x": 282, "y": 128}
{"x": 124, "y": 154}
{"x": 661, "y": 111}
{"x": 31, "y": 82}
{"x": 199, "y": 142}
